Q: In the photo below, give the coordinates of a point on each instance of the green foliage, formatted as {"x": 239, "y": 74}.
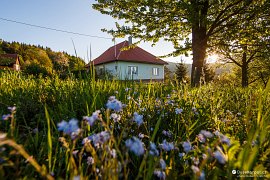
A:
{"x": 174, "y": 21}
{"x": 33, "y": 58}
{"x": 239, "y": 118}
{"x": 208, "y": 73}
{"x": 168, "y": 75}
{"x": 37, "y": 69}
{"x": 181, "y": 72}
{"x": 247, "y": 44}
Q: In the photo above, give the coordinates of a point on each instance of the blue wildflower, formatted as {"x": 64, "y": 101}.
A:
{"x": 201, "y": 138}
{"x": 6, "y": 117}
{"x": 70, "y": 128}
{"x": 135, "y": 145}
{"x": 207, "y": 134}
{"x": 167, "y": 133}
{"x": 153, "y": 149}
{"x": 219, "y": 157}
{"x": 99, "y": 139}
{"x": 216, "y": 132}
{"x": 141, "y": 135}
{"x": 187, "y": 146}
{"x": 160, "y": 174}
{"x": 162, "y": 164}
{"x": 90, "y": 160}
{"x": 138, "y": 118}
{"x": 114, "y": 104}
{"x": 198, "y": 173}
{"x": 127, "y": 89}
{"x": 225, "y": 139}
{"x": 178, "y": 110}
{"x": 12, "y": 109}
{"x": 166, "y": 146}
{"x": 92, "y": 119}
{"x": 194, "y": 111}
{"x": 181, "y": 155}
{"x": 115, "y": 117}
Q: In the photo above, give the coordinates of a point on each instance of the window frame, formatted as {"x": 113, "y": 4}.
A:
{"x": 155, "y": 71}
{"x": 131, "y": 71}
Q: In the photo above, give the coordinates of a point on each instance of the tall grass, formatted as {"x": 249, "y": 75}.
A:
{"x": 240, "y": 115}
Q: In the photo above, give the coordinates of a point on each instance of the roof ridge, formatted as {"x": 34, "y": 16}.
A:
{"x": 120, "y": 49}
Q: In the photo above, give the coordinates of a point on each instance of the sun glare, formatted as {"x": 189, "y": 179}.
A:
{"x": 212, "y": 58}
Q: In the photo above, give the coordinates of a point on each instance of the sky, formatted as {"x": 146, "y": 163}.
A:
{"x": 68, "y": 15}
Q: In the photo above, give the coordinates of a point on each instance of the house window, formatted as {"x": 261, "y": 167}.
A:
{"x": 155, "y": 71}
{"x": 132, "y": 70}
{"x": 101, "y": 70}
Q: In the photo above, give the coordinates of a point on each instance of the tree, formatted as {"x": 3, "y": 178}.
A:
{"x": 167, "y": 73}
{"x": 245, "y": 44}
{"x": 208, "y": 73}
{"x": 181, "y": 72}
{"x": 174, "y": 21}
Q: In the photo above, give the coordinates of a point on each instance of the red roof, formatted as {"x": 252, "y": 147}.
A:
{"x": 13, "y": 58}
{"x": 136, "y": 54}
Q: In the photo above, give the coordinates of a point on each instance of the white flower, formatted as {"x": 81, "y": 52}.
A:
{"x": 90, "y": 160}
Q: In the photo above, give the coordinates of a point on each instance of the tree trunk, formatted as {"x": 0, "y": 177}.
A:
{"x": 244, "y": 69}
{"x": 199, "y": 39}
{"x": 199, "y": 52}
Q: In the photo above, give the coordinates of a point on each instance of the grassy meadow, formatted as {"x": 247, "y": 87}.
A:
{"x": 95, "y": 129}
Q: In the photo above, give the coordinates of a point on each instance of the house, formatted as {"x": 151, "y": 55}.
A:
{"x": 10, "y": 61}
{"x": 131, "y": 64}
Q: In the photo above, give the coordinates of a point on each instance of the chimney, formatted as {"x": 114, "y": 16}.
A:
{"x": 129, "y": 40}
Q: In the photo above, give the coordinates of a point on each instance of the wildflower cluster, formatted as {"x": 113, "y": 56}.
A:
{"x": 10, "y": 115}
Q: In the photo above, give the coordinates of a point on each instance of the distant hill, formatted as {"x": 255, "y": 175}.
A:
{"x": 42, "y": 58}
{"x": 219, "y": 68}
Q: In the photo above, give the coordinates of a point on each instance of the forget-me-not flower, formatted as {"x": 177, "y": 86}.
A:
{"x": 114, "y": 104}
{"x": 219, "y": 157}
{"x": 178, "y": 110}
{"x": 160, "y": 174}
{"x": 138, "y": 118}
{"x": 153, "y": 149}
{"x": 207, "y": 134}
{"x": 135, "y": 145}
{"x": 70, "y": 128}
{"x": 115, "y": 117}
{"x": 166, "y": 146}
{"x": 92, "y": 119}
{"x": 162, "y": 164}
{"x": 187, "y": 146}
{"x": 99, "y": 138}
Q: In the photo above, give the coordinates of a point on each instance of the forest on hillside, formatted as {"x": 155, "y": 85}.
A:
{"x": 36, "y": 59}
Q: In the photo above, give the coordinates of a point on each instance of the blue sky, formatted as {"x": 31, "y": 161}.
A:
{"x": 70, "y": 15}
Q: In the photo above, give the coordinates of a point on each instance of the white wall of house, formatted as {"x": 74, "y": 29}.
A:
{"x": 122, "y": 70}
